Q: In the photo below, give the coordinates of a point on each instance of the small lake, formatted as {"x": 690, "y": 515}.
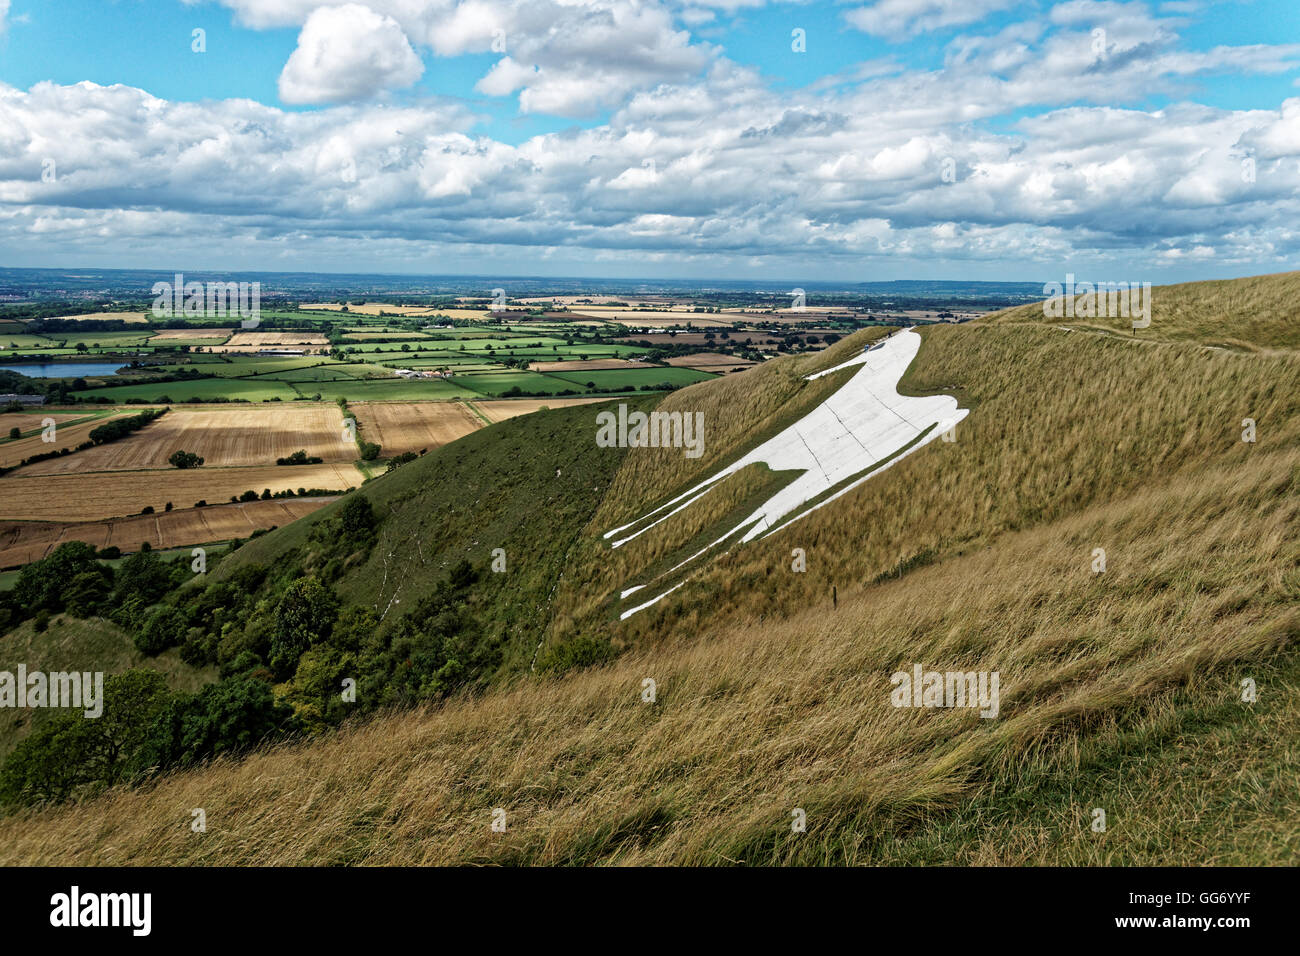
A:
{"x": 63, "y": 369}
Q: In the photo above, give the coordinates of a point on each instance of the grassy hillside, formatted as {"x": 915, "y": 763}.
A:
{"x": 68, "y": 644}
{"x": 1114, "y": 686}
{"x": 1254, "y": 314}
{"x": 1120, "y": 690}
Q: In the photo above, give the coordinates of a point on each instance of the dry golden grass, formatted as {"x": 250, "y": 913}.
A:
{"x": 91, "y": 497}
{"x": 24, "y": 541}
{"x": 223, "y": 437}
{"x": 757, "y": 718}
{"x": 401, "y": 427}
{"x": 1095, "y": 422}
{"x": 1257, "y": 313}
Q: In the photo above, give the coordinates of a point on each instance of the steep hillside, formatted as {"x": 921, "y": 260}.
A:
{"x": 1258, "y": 313}
{"x": 1117, "y": 688}
{"x": 1121, "y": 672}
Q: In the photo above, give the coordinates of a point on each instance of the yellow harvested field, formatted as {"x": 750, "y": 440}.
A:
{"x": 591, "y": 365}
{"x": 24, "y": 541}
{"x": 117, "y": 494}
{"x": 27, "y": 421}
{"x": 401, "y": 427}
{"x": 253, "y": 341}
{"x": 379, "y": 308}
{"x": 222, "y": 437}
{"x": 498, "y": 410}
{"x": 101, "y": 316}
{"x": 194, "y": 334}
{"x": 711, "y": 359}
{"x": 70, "y": 436}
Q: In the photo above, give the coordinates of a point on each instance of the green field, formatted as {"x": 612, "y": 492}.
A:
{"x": 635, "y": 377}
{"x": 204, "y": 389}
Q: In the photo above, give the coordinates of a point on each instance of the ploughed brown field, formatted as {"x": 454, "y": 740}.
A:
{"x": 113, "y": 494}
{"x": 12, "y": 452}
{"x": 222, "y": 436}
{"x": 401, "y": 427}
{"x": 25, "y": 541}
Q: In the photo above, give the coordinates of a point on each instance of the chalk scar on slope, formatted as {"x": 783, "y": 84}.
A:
{"x": 862, "y": 429}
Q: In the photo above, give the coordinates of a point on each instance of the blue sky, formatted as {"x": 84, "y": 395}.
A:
{"x": 987, "y": 139}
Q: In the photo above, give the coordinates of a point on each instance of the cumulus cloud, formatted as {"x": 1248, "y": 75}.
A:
{"x": 560, "y": 57}
{"x": 885, "y": 164}
{"x": 347, "y": 53}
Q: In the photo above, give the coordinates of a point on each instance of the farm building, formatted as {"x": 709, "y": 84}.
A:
{"x": 22, "y": 399}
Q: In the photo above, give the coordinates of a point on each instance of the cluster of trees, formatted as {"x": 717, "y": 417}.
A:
{"x": 184, "y": 459}
{"x": 282, "y": 640}
{"x": 121, "y": 427}
{"x": 300, "y": 457}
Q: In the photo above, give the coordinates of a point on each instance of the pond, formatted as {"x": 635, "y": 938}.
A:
{"x": 63, "y": 369}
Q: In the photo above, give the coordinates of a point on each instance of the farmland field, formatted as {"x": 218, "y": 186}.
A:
{"x": 70, "y": 436}
{"x": 204, "y": 389}
{"x": 29, "y": 420}
{"x": 252, "y": 341}
{"x": 23, "y": 541}
{"x": 634, "y": 378}
{"x": 593, "y": 365}
{"x": 500, "y": 410}
{"x": 116, "y": 494}
{"x": 165, "y": 335}
{"x": 390, "y": 390}
{"x": 413, "y": 427}
{"x": 223, "y": 436}
{"x": 101, "y": 316}
{"x": 497, "y": 383}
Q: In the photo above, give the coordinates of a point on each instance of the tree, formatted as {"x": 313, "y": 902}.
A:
{"x": 357, "y": 519}
{"x": 304, "y": 616}
{"x": 164, "y": 627}
{"x": 15, "y": 432}
{"x": 70, "y": 752}
{"x": 184, "y": 459}
{"x": 40, "y": 585}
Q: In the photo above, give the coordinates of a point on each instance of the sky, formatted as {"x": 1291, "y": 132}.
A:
{"x": 742, "y": 139}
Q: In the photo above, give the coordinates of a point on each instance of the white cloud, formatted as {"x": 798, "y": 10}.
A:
{"x": 702, "y": 162}
{"x": 900, "y": 18}
{"x": 347, "y": 53}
